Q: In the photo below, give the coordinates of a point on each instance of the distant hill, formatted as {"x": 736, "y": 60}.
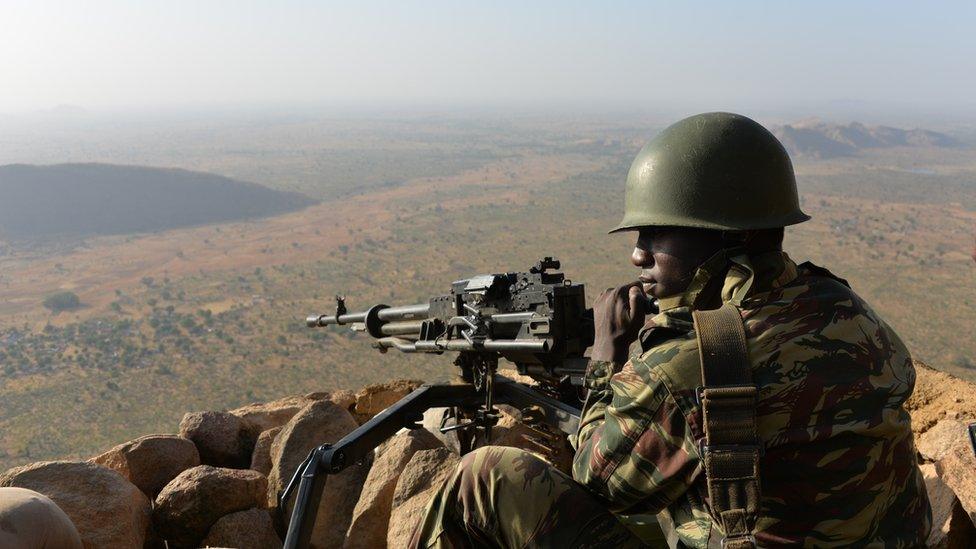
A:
{"x": 822, "y": 140}
{"x": 86, "y": 199}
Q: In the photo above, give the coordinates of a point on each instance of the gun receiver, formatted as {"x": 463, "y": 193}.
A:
{"x": 535, "y": 319}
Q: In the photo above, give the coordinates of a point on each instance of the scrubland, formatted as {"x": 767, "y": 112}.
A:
{"x": 212, "y": 316}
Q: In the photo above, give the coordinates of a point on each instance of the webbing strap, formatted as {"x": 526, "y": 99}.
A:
{"x": 731, "y": 448}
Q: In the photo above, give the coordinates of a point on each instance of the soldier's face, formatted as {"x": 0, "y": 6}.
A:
{"x": 669, "y": 256}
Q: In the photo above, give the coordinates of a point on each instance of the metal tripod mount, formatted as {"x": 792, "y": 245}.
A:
{"x": 328, "y": 459}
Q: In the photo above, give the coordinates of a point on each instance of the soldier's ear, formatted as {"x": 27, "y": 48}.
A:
{"x": 733, "y": 239}
{"x": 757, "y": 240}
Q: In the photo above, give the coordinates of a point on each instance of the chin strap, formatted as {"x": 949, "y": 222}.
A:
{"x": 731, "y": 448}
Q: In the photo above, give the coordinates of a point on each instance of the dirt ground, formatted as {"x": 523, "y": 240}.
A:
{"x": 104, "y": 265}
{"x": 939, "y": 395}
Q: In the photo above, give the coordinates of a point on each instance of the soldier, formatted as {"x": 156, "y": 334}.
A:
{"x": 808, "y": 443}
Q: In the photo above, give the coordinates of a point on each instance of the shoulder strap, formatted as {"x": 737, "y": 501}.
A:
{"x": 731, "y": 449}
{"x": 820, "y": 271}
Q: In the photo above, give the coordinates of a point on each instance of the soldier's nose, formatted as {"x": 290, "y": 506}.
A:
{"x": 641, "y": 257}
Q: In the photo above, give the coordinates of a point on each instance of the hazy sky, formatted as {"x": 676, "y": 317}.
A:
{"x": 102, "y": 54}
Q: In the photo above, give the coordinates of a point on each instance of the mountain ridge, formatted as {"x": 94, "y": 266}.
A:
{"x": 818, "y": 139}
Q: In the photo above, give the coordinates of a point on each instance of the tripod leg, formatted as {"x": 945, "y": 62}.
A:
{"x": 310, "y": 488}
{"x": 352, "y": 448}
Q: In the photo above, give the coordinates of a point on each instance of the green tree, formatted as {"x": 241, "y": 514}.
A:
{"x": 62, "y": 301}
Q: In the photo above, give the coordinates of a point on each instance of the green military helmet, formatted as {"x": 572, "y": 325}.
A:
{"x": 716, "y": 171}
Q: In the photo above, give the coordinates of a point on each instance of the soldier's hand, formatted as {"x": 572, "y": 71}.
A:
{"x": 618, "y": 315}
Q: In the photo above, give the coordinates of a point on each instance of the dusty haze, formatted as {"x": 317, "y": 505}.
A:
{"x": 896, "y": 57}
{"x": 368, "y": 149}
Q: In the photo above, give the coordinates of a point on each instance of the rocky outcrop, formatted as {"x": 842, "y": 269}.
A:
{"x": 261, "y": 456}
{"x": 423, "y": 475}
{"x": 318, "y": 423}
{"x": 951, "y": 526}
{"x": 191, "y": 503}
{"x": 251, "y": 529}
{"x": 434, "y": 419}
{"x": 935, "y": 443}
{"x": 938, "y": 396}
{"x": 150, "y": 462}
{"x": 262, "y": 421}
{"x": 373, "y": 399}
{"x": 371, "y": 517}
{"x": 268, "y": 415}
{"x": 108, "y": 510}
{"x": 31, "y": 519}
{"x": 379, "y": 502}
{"x": 940, "y": 419}
{"x": 958, "y": 470}
{"x": 222, "y": 438}
{"x": 516, "y": 431}
{"x": 344, "y": 398}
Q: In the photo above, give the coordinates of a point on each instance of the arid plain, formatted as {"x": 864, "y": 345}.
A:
{"x": 211, "y": 316}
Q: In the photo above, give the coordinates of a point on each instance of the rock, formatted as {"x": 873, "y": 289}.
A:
{"x": 942, "y": 500}
{"x": 931, "y": 400}
{"x": 936, "y": 442}
{"x": 540, "y": 440}
{"x": 222, "y": 438}
{"x": 343, "y": 397}
{"x": 150, "y": 462}
{"x": 260, "y": 417}
{"x": 509, "y": 431}
{"x": 420, "y": 479}
{"x": 951, "y": 526}
{"x": 513, "y": 375}
{"x": 251, "y": 529}
{"x": 371, "y": 517}
{"x": 962, "y": 532}
{"x": 31, "y": 519}
{"x": 261, "y": 457}
{"x": 318, "y": 423}
{"x": 192, "y": 502}
{"x": 545, "y": 442}
{"x": 432, "y": 422}
{"x": 373, "y": 399}
{"x": 957, "y": 469}
{"x": 108, "y": 510}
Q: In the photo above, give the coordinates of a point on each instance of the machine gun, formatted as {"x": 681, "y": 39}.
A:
{"x": 535, "y": 319}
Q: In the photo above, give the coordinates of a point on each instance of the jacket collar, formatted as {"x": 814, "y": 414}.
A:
{"x": 741, "y": 276}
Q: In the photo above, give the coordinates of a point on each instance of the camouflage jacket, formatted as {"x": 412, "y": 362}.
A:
{"x": 840, "y": 466}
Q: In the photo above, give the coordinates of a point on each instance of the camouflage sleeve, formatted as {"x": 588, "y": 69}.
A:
{"x": 634, "y": 444}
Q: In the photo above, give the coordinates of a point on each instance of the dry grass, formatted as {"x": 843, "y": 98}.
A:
{"x": 400, "y": 244}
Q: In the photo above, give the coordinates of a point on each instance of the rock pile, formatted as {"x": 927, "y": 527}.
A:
{"x": 942, "y": 407}
{"x": 107, "y": 509}
{"x": 217, "y": 483}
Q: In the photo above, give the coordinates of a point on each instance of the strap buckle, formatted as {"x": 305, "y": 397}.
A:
{"x": 735, "y": 542}
{"x": 700, "y": 390}
{"x": 731, "y": 448}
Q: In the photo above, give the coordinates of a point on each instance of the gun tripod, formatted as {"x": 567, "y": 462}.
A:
{"x": 329, "y": 459}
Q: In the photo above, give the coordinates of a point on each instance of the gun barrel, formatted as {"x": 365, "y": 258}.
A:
{"x": 402, "y": 327}
{"x": 388, "y": 314}
{"x": 502, "y": 345}
{"x": 512, "y": 318}
{"x": 405, "y": 312}
{"x": 315, "y": 321}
